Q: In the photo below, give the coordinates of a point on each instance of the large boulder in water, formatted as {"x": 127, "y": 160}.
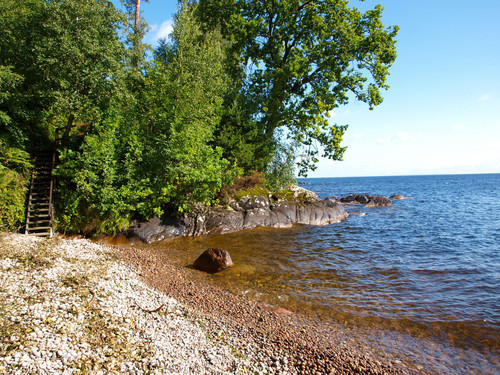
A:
{"x": 213, "y": 260}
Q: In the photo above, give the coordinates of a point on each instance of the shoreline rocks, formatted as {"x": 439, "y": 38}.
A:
{"x": 301, "y": 207}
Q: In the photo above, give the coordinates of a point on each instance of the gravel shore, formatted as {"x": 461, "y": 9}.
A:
{"x": 71, "y": 306}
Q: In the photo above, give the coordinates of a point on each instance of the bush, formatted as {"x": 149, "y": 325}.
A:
{"x": 280, "y": 173}
{"x": 14, "y": 171}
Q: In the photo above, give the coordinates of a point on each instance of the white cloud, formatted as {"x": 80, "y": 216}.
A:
{"x": 403, "y": 136}
{"x": 162, "y": 31}
{"x": 399, "y": 136}
{"x": 332, "y": 113}
{"x": 355, "y": 136}
{"x": 458, "y": 127}
{"x": 384, "y": 141}
{"x": 484, "y": 98}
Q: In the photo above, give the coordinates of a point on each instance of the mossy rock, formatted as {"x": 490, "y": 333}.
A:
{"x": 256, "y": 191}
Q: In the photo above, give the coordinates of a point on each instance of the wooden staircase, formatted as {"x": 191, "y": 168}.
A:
{"x": 39, "y": 216}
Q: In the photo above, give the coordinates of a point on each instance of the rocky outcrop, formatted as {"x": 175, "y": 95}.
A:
{"x": 280, "y": 215}
{"x": 156, "y": 229}
{"x": 369, "y": 201}
{"x": 213, "y": 260}
{"x": 275, "y": 213}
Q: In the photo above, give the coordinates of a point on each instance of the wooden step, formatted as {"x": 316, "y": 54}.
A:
{"x": 39, "y": 228}
{"x": 41, "y": 184}
{"x": 39, "y": 199}
{"x": 38, "y": 217}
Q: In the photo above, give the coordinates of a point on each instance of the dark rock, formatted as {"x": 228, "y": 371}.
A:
{"x": 223, "y": 221}
{"x": 398, "y": 196}
{"x": 368, "y": 200}
{"x": 378, "y": 201}
{"x": 156, "y": 229}
{"x": 206, "y": 220}
{"x": 349, "y": 199}
{"x": 219, "y": 220}
{"x": 213, "y": 260}
{"x": 363, "y": 198}
{"x": 249, "y": 203}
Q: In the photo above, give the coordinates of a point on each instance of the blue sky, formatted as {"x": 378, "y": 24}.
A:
{"x": 442, "y": 112}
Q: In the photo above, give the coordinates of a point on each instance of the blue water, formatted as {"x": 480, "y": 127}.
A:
{"x": 428, "y": 266}
{"x": 434, "y": 257}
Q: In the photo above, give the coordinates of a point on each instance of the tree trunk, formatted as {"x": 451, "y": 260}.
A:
{"x": 137, "y": 15}
{"x": 69, "y": 126}
{"x": 137, "y": 32}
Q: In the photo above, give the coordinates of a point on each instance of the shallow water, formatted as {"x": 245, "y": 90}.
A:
{"x": 428, "y": 266}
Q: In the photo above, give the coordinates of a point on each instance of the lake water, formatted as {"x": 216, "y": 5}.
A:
{"x": 428, "y": 266}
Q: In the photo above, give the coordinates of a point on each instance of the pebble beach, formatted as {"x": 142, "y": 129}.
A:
{"x": 72, "y": 306}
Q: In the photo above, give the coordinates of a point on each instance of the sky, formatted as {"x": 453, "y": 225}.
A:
{"x": 441, "y": 114}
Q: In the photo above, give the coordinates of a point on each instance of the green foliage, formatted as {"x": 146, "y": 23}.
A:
{"x": 249, "y": 88}
{"x": 280, "y": 173}
{"x": 185, "y": 94}
{"x": 8, "y": 84}
{"x": 68, "y": 53}
{"x": 67, "y": 71}
{"x": 305, "y": 59}
{"x": 99, "y": 189}
{"x": 15, "y": 167}
{"x": 242, "y": 138}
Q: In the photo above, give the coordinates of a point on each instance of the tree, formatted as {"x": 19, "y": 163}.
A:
{"x": 69, "y": 54}
{"x": 306, "y": 58}
{"x": 185, "y": 87}
{"x": 138, "y": 30}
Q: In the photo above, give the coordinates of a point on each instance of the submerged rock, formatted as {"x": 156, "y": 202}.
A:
{"x": 213, "y": 260}
{"x": 358, "y": 214}
{"x": 398, "y": 196}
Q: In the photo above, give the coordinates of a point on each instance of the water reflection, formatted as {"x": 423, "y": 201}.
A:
{"x": 313, "y": 270}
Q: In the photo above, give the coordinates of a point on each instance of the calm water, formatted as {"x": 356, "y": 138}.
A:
{"x": 428, "y": 266}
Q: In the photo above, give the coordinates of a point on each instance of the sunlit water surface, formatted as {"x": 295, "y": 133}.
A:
{"x": 428, "y": 266}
